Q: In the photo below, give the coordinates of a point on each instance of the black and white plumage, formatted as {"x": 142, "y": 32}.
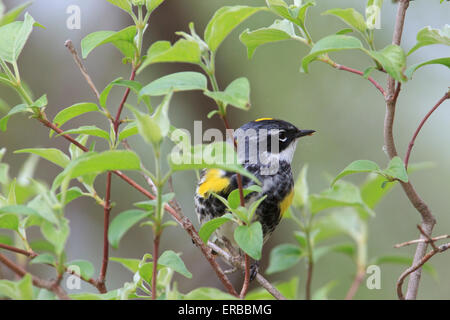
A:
{"x": 269, "y": 159}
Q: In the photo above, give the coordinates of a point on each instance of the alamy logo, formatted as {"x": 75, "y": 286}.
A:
{"x": 73, "y": 22}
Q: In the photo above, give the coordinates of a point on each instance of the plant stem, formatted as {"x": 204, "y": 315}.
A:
{"x": 29, "y": 254}
{"x": 416, "y": 133}
{"x": 106, "y": 216}
{"x": 155, "y": 265}
{"x": 428, "y": 220}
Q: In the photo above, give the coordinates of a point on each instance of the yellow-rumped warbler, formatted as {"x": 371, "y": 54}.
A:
{"x": 265, "y": 148}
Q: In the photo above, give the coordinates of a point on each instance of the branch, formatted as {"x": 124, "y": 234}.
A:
{"x": 76, "y": 58}
{"x": 417, "y": 266}
{"x": 29, "y": 254}
{"x": 236, "y": 262}
{"x": 428, "y": 220}
{"x": 38, "y": 282}
{"x": 359, "y": 277}
{"x": 372, "y": 80}
{"x": 416, "y": 133}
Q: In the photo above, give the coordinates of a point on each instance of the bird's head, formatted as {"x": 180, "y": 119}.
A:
{"x": 268, "y": 139}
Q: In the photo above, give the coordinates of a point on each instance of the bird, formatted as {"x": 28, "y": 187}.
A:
{"x": 265, "y": 147}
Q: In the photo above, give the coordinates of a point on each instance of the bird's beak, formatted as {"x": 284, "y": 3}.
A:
{"x": 302, "y": 133}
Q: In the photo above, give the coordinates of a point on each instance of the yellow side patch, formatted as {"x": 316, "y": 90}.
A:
{"x": 262, "y": 119}
{"x": 213, "y": 182}
{"x": 286, "y": 203}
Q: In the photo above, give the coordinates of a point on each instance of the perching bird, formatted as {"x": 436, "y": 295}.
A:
{"x": 265, "y": 148}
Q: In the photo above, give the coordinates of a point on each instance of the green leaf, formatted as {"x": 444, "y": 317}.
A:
{"x": 173, "y": 261}
{"x": 130, "y": 264}
{"x": 181, "y": 81}
{"x": 372, "y": 191}
{"x": 224, "y": 21}
{"x": 125, "y": 5}
{"x": 301, "y": 189}
{"x": 53, "y": 155}
{"x": 153, "y": 4}
{"x": 396, "y": 170}
{"x": 13, "y": 37}
{"x": 111, "y": 295}
{"x": 122, "y": 40}
{"x": 182, "y": 51}
{"x": 351, "y": 17}
{"x": 9, "y": 221}
{"x": 283, "y": 257}
{"x": 393, "y": 60}
{"x": 236, "y": 94}
{"x": 44, "y": 258}
{"x": 209, "y": 227}
{"x": 122, "y": 223}
{"x": 410, "y": 70}
{"x": 288, "y": 289}
{"x": 13, "y": 14}
{"x": 342, "y": 194}
{"x": 57, "y": 236}
{"x": 17, "y": 290}
{"x": 130, "y": 129}
{"x": 132, "y": 85}
{"x": 17, "y": 109}
{"x": 331, "y": 43}
{"x": 345, "y": 221}
{"x": 95, "y": 163}
{"x": 208, "y": 294}
{"x": 403, "y": 260}
{"x": 355, "y": 167}
{"x": 429, "y": 36}
{"x": 280, "y": 30}
{"x": 323, "y": 292}
{"x": 89, "y": 130}
{"x": 72, "y": 112}
{"x": 234, "y": 197}
{"x": 250, "y": 239}
{"x": 86, "y": 268}
{"x": 220, "y": 155}
{"x": 71, "y": 195}
{"x": 6, "y": 240}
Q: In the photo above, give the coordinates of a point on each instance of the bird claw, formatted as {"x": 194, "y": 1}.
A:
{"x": 254, "y": 269}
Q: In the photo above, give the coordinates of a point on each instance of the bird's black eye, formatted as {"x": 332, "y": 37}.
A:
{"x": 282, "y": 136}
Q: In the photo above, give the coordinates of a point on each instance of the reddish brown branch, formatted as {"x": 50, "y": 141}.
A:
{"x": 106, "y": 217}
{"x": 372, "y": 80}
{"x": 416, "y": 133}
{"x": 415, "y": 267}
{"x": 29, "y": 254}
{"x": 359, "y": 277}
{"x": 38, "y": 282}
{"x": 155, "y": 265}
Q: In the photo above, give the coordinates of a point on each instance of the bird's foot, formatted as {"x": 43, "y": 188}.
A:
{"x": 254, "y": 269}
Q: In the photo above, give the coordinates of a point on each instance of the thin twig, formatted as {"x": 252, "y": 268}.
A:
{"x": 29, "y": 254}
{"x": 238, "y": 263}
{"x": 359, "y": 277}
{"x": 416, "y": 133}
{"x": 69, "y": 45}
{"x": 417, "y": 266}
{"x": 416, "y": 241}
{"x": 372, "y": 80}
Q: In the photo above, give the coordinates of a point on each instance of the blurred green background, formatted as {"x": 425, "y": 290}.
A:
{"x": 346, "y": 110}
